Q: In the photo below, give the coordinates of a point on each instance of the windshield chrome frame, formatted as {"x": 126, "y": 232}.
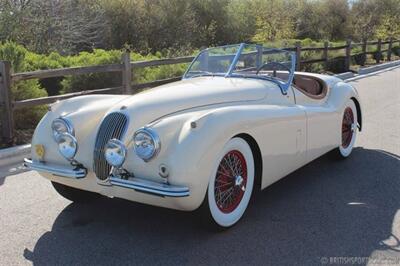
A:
{"x": 284, "y": 86}
{"x": 235, "y": 60}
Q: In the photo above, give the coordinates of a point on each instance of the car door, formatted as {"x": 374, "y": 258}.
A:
{"x": 321, "y": 124}
{"x": 283, "y": 136}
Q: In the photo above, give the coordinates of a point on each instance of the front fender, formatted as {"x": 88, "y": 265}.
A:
{"x": 85, "y": 114}
{"x": 191, "y": 152}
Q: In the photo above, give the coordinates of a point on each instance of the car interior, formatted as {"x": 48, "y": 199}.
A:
{"x": 311, "y": 86}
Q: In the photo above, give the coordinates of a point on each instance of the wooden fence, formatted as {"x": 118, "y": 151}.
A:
{"x": 127, "y": 68}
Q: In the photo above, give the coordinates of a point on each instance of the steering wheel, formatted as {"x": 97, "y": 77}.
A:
{"x": 274, "y": 66}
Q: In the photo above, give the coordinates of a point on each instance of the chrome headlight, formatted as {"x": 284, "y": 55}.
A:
{"x": 147, "y": 143}
{"x": 67, "y": 145}
{"x": 60, "y": 126}
{"x": 115, "y": 152}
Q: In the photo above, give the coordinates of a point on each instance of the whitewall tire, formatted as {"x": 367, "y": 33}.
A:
{"x": 231, "y": 184}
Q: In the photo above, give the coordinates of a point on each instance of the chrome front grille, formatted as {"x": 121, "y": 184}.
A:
{"x": 112, "y": 127}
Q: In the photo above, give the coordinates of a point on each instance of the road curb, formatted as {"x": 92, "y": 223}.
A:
{"x": 368, "y": 70}
{"x": 14, "y": 155}
{"x": 345, "y": 75}
{"x": 357, "y": 77}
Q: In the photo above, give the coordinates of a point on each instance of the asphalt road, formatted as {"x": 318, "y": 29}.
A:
{"x": 327, "y": 212}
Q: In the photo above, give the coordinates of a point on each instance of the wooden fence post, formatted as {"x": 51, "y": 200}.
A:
{"x": 389, "y": 53}
{"x": 379, "y": 53}
{"x": 348, "y": 55}
{"x": 364, "y": 51}
{"x": 325, "y": 54}
{"x": 298, "y": 56}
{"x": 126, "y": 73}
{"x": 7, "y": 119}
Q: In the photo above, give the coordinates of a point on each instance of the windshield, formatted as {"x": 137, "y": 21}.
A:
{"x": 246, "y": 61}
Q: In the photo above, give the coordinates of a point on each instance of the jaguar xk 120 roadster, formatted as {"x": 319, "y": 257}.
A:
{"x": 240, "y": 119}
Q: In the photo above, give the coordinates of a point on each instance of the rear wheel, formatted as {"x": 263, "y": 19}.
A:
{"x": 231, "y": 185}
{"x": 348, "y": 130}
{"x": 74, "y": 194}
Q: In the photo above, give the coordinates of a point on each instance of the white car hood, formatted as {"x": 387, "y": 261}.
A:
{"x": 152, "y": 104}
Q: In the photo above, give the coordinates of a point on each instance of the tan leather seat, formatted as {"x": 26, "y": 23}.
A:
{"x": 309, "y": 85}
{"x": 313, "y": 87}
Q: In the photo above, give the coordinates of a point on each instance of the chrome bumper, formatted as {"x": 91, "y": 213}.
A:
{"x": 58, "y": 170}
{"x": 147, "y": 186}
{"x": 135, "y": 183}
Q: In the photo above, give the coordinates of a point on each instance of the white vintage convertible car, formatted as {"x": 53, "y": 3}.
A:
{"x": 240, "y": 119}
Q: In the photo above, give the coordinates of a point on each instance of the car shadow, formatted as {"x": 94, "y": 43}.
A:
{"x": 325, "y": 209}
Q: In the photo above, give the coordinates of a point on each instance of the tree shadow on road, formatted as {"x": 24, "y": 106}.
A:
{"x": 325, "y": 209}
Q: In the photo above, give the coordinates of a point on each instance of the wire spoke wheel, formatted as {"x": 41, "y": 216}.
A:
{"x": 230, "y": 181}
{"x": 347, "y": 127}
{"x": 231, "y": 184}
{"x": 348, "y": 131}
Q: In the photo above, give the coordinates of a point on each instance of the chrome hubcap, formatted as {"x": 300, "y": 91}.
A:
{"x": 239, "y": 182}
{"x": 353, "y": 127}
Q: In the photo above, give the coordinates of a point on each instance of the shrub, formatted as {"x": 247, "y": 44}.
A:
{"x": 16, "y": 54}
{"x": 52, "y": 61}
{"x": 396, "y": 50}
{"x": 92, "y": 81}
{"x": 376, "y": 55}
{"x": 337, "y": 65}
{"x": 359, "y": 59}
{"x": 316, "y": 67}
{"x": 27, "y": 118}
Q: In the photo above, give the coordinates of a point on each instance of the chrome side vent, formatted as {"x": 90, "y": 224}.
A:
{"x": 113, "y": 126}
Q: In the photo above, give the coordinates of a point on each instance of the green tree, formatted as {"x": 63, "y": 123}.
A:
{"x": 375, "y": 19}
{"x": 241, "y": 22}
{"x": 335, "y": 14}
{"x": 389, "y": 26}
{"x": 365, "y": 17}
{"x": 274, "y": 20}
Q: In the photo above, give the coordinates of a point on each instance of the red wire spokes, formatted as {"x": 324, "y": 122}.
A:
{"x": 347, "y": 124}
{"x": 230, "y": 181}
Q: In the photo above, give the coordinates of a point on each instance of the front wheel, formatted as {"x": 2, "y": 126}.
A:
{"x": 231, "y": 185}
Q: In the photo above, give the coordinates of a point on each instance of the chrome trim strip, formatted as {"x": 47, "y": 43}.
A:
{"x": 147, "y": 186}
{"x": 135, "y": 183}
{"x": 112, "y": 126}
{"x": 58, "y": 170}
